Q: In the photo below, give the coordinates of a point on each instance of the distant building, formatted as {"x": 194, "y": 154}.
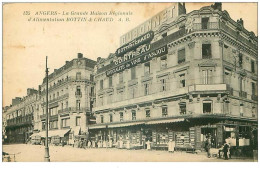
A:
{"x": 19, "y": 117}
{"x": 182, "y": 77}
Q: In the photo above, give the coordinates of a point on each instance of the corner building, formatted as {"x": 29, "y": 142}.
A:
{"x": 70, "y": 97}
{"x": 205, "y": 82}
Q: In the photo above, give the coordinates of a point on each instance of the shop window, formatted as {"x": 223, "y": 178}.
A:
{"x": 110, "y": 81}
{"x": 252, "y": 66}
{"x": 164, "y": 62}
{"x": 206, "y": 51}
{"x": 110, "y": 117}
{"x": 163, "y": 84}
{"x": 207, "y": 76}
{"x": 77, "y": 121}
{"x": 133, "y": 115}
{"x": 182, "y": 80}
{"x": 102, "y": 119}
{"x": 147, "y": 68}
{"x": 207, "y": 107}
{"x": 121, "y": 79}
{"x": 164, "y": 111}
{"x": 146, "y": 89}
{"x": 147, "y": 113}
{"x": 133, "y": 73}
{"x": 204, "y": 22}
{"x": 182, "y": 106}
{"x": 181, "y": 56}
{"x": 78, "y": 75}
{"x": 101, "y": 84}
{"x": 121, "y": 116}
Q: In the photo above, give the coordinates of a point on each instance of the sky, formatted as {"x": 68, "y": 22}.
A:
{"x": 26, "y": 43}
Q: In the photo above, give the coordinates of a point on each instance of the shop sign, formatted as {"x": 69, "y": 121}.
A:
{"x": 141, "y": 59}
{"x": 146, "y": 38}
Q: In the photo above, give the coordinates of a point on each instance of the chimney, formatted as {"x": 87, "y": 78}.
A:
{"x": 80, "y": 55}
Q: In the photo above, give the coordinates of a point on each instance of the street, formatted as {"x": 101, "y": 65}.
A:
{"x": 35, "y": 153}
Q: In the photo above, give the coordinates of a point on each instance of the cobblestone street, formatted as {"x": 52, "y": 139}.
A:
{"x": 35, "y": 153}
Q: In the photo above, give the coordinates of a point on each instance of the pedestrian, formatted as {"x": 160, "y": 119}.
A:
{"x": 225, "y": 150}
{"x": 148, "y": 144}
{"x": 84, "y": 144}
{"x": 89, "y": 144}
{"x": 171, "y": 145}
{"x": 110, "y": 143}
{"x": 208, "y": 146}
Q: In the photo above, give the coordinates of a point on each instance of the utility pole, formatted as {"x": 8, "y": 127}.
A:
{"x": 47, "y": 156}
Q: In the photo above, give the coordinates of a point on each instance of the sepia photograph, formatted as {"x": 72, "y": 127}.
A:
{"x": 130, "y": 82}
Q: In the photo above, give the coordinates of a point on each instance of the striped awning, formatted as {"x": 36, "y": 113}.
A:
{"x": 60, "y": 133}
{"x": 165, "y": 121}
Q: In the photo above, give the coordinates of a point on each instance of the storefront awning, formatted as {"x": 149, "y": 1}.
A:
{"x": 60, "y": 133}
{"x": 96, "y": 126}
{"x": 165, "y": 121}
{"x": 125, "y": 124}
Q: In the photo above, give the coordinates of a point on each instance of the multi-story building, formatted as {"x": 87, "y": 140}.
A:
{"x": 182, "y": 77}
{"x": 70, "y": 97}
{"x": 19, "y": 117}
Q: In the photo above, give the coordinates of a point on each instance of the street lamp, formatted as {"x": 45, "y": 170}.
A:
{"x": 46, "y": 156}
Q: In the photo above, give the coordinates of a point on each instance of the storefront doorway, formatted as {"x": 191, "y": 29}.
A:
{"x": 209, "y": 131}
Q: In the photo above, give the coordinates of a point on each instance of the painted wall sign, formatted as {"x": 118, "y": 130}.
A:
{"x": 140, "y": 59}
{"x": 147, "y": 37}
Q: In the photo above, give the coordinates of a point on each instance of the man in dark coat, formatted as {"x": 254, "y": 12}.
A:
{"x": 225, "y": 150}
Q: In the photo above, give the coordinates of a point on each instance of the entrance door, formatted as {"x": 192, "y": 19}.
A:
{"x": 212, "y": 132}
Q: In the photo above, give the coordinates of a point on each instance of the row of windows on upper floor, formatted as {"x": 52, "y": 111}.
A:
{"x": 63, "y": 123}
{"x": 206, "y": 53}
{"x": 207, "y": 108}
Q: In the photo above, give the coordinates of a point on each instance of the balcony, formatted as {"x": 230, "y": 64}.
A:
{"x": 78, "y": 94}
{"x": 54, "y": 117}
{"x": 243, "y": 94}
{"x": 43, "y": 116}
{"x": 18, "y": 124}
{"x": 254, "y": 97}
{"x": 213, "y": 87}
{"x": 73, "y": 109}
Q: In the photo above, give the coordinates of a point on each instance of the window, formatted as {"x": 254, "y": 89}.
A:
{"x": 133, "y": 73}
{"x": 78, "y": 75}
{"x": 204, "y": 22}
{"x": 78, "y": 121}
{"x": 53, "y": 96}
{"x": 53, "y": 124}
{"x": 78, "y": 92}
{"x": 121, "y": 116}
{"x": 207, "y": 76}
{"x": 132, "y": 92}
{"x": 253, "y": 89}
{"x": 227, "y": 78}
{"x": 147, "y": 113}
{"x": 111, "y": 117}
{"x": 252, "y": 66}
{"x": 133, "y": 115}
{"x": 164, "y": 62}
{"x": 101, "y": 100}
{"x": 163, "y": 84}
{"x": 240, "y": 62}
{"x": 146, "y": 89}
{"x": 65, "y": 122}
{"x": 78, "y": 104}
{"x": 61, "y": 106}
{"x": 109, "y": 99}
{"x": 207, "y": 107}
{"x": 164, "y": 111}
{"x": 43, "y": 126}
{"x": 182, "y": 80}
{"x": 164, "y": 35}
{"x": 147, "y": 68}
{"x": 182, "y": 108}
{"x": 58, "y": 94}
{"x": 241, "y": 109}
{"x": 121, "y": 79}
{"x": 110, "y": 81}
{"x": 101, "y": 84}
{"x": 206, "y": 51}
{"x": 67, "y": 104}
{"x": 102, "y": 119}
{"x": 181, "y": 56}
{"x": 91, "y": 77}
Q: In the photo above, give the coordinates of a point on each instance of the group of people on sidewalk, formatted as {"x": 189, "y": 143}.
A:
{"x": 225, "y": 148}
